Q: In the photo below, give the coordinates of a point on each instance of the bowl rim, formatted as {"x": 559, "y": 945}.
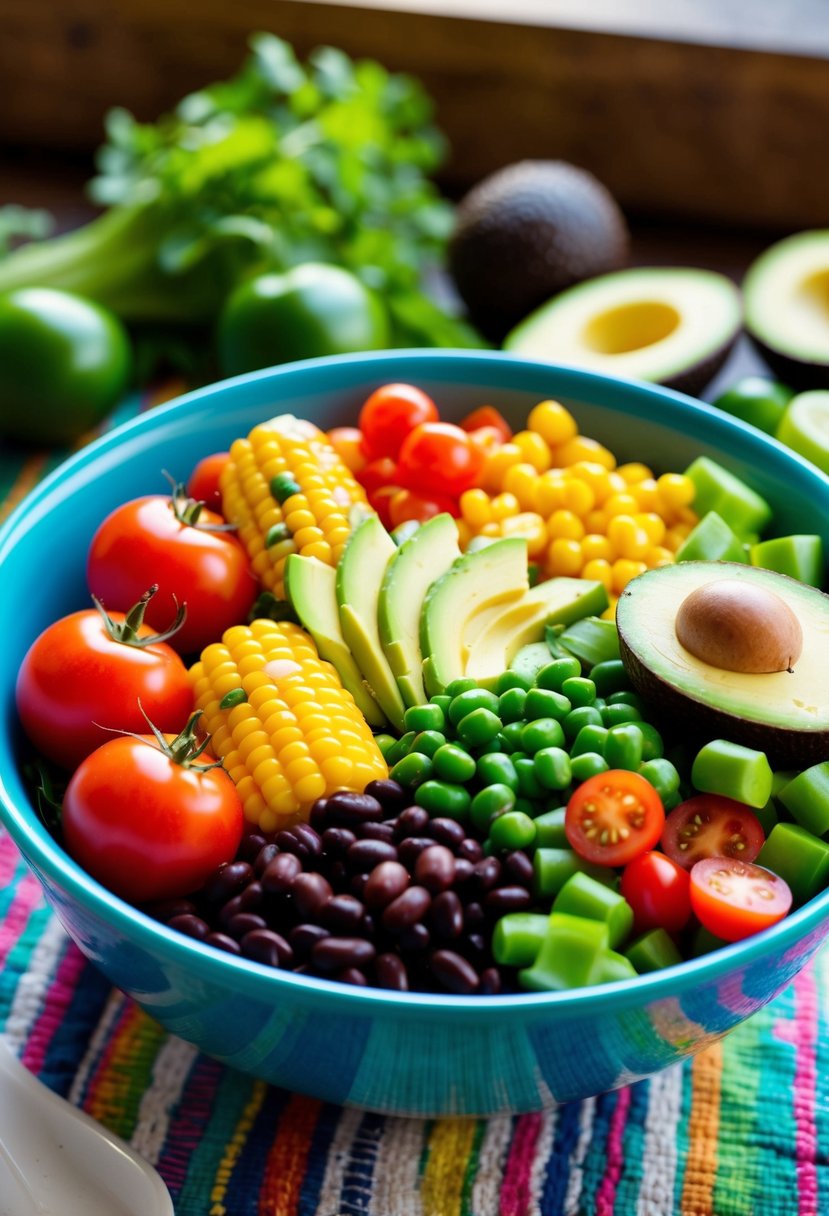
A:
{"x": 43, "y": 853}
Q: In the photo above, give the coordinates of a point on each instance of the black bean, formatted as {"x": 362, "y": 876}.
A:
{"x": 411, "y": 822}
{"x": 348, "y": 807}
{"x": 435, "y": 868}
{"x": 390, "y": 972}
{"x": 342, "y": 914}
{"x": 222, "y": 942}
{"x": 518, "y": 868}
{"x": 318, "y": 815}
{"x": 244, "y": 922}
{"x": 454, "y": 972}
{"x": 446, "y": 915}
{"x": 377, "y": 831}
{"x": 227, "y": 881}
{"x": 463, "y": 872}
{"x": 250, "y": 846}
{"x": 357, "y": 884}
{"x": 252, "y": 898}
{"x": 264, "y": 858}
{"x": 404, "y": 911}
{"x": 448, "y": 831}
{"x": 490, "y": 982}
{"x": 474, "y": 945}
{"x": 311, "y": 892}
{"x": 415, "y": 939}
{"x": 508, "y": 899}
{"x": 385, "y": 883}
{"x": 351, "y": 975}
{"x": 232, "y": 908}
{"x": 336, "y": 841}
{"x": 166, "y": 909}
{"x": 410, "y": 849}
{"x": 392, "y": 795}
{"x": 304, "y": 937}
{"x": 281, "y": 874}
{"x": 367, "y": 927}
{"x": 335, "y": 953}
{"x": 338, "y": 874}
{"x": 287, "y": 842}
{"x": 364, "y": 855}
{"x": 471, "y": 850}
{"x": 266, "y": 946}
{"x": 192, "y": 925}
{"x": 485, "y": 873}
{"x": 473, "y": 916}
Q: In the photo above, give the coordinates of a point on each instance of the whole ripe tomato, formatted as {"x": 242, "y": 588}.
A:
{"x": 709, "y": 825}
{"x": 658, "y": 890}
{"x": 440, "y": 458}
{"x": 148, "y": 541}
{"x": 149, "y": 823}
{"x": 390, "y": 414}
{"x": 487, "y": 418}
{"x": 734, "y": 899}
{"x": 203, "y": 485}
{"x": 407, "y": 504}
{"x": 86, "y": 674}
{"x": 613, "y": 817}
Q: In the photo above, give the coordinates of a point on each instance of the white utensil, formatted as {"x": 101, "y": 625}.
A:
{"x": 57, "y": 1161}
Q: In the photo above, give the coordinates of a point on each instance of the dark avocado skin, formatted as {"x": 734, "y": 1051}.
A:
{"x": 793, "y": 372}
{"x": 697, "y": 377}
{"x": 525, "y": 233}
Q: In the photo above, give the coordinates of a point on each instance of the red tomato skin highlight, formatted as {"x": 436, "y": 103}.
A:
{"x": 142, "y": 542}
{"x": 658, "y": 890}
{"x": 406, "y": 504}
{"x": 75, "y": 681}
{"x": 441, "y": 458}
{"x": 390, "y": 414}
{"x": 486, "y": 417}
{"x": 145, "y": 827}
{"x": 203, "y": 485}
{"x": 738, "y": 914}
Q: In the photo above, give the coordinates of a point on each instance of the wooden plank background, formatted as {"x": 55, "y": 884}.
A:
{"x": 676, "y": 129}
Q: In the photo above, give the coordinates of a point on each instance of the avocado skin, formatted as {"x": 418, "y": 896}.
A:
{"x": 525, "y": 233}
{"x": 697, "y": 377}
{"x": 793, "y": 372}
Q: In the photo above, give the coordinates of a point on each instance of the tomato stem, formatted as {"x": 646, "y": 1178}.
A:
{"x": 185, "y": 748}
{"x": 126, "y": 631}
{"x": 188, "y": 510}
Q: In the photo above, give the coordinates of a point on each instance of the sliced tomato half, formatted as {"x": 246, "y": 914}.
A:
{"x": 709, "y": 825}
{"x": 734, "y": 899}
{"x": 613, "y": 817}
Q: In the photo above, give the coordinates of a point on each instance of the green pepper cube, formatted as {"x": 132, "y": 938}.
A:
{"x": 495, "y": 800}
{"x": 717, "y": 489}
{"x": 806, "y": 798}
{"x": 512, "y": 830}
{"x": 734, "y": 771}
{"x": 592, "y": 640}
{"x": 424, "y": 717}
{"x": 401, "y": 748}
{"x": 653, "y": 951}
{"x": 549, "y": 829}
{"x": 800, "y": 557}
{"x": 552, "y": 867}
{"x": 528, "y": 784}
{"x": 589, "y": 739}
{"x": 554, "y": 674}
{"x": 582, "y": 895}
{"x": 552, "y": 768}
{"x": 546, "y": 703}
{"x": 441, "y": 798}
{"x": 712, "y": 541}
{"x": 479, "y": 727}
{"x": 613, "y": 967}
{"x": 412, "y": 770}
{"x": 662, "y": 775}
{"x": 652, "y": 746}
{"x": 570, "y": 956}
{"x": 579, "y": 690}
{"x": 799, "y": 858}
{"x": 428, "y": 742}
{"x": 624, "y": 746}
{"x": 517, "y": 938}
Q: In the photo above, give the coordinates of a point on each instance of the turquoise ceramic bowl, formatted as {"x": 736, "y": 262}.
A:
{"x": 402, "y": 1054}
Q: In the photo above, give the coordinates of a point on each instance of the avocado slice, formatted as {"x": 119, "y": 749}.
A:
{"x": 556, "y": 601}
{"x": 784, "y": 713}
{"x": 668, "y": 325}
{"x": 786, "y": 293}
{"x": 358, "y": 580}
{"x": 310, "y": 586}
{"x": 419, "y": 561}
{"x": 476, "y": 580}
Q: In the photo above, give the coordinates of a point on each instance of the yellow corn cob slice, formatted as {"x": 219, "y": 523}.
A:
{"x": 286, "y": 729}
{"x": 287, "y": 491}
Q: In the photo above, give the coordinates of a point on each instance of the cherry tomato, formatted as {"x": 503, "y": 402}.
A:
{"x": 347, "y": 442}
{"x": 144, "y": 542}
{"x": 378, "y": 475}
{"x": 613, "y": 817}
{"x": 440, "y": 458}
{"x": 203, "y": 485}
{"x": 488, "y": 438}
{"x": 390, "y": 413}
{"x": 146, "y": 826}
{"x": 486, "y": 417}
{"x": 709, "y": 825}
{"x": 734, "y": 899}
{"x": 658, "y": 890}
{"x": 406, "y": 504}
{"x": 380, "y": 500}
{"x": 77, "y": 680}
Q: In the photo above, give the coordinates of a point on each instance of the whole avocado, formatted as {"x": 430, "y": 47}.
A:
{"x": 526, "y": 232}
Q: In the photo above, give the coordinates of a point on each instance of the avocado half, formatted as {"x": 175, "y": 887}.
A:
{"x": 783, "y": 713}
{"x": 673, "y": 327}
{"x": 786, "y": 293}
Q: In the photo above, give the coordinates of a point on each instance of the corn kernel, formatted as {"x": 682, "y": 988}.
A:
{"x": 496, "y": 465}
{"x": 595, "y": 475}
{"x": 627, "y": 537}
{"x": 653, "y": 524}
{"x": 534, "y": 449}
{"x": 564, "y": 557}
{"x": 620, "y": 504}
{"x": 553, "y": 422}
{"x": 646, "y": 494}
{"x": 529, "y": 525}
{"x": 579, "y": 497}
{"x": 624, "y": 569}
{"x": 634, "y": 471}
{"x": 659, "y": 555}
{"x": 676, "y": 489}
{"x": 581, "y": 447}
{"x": 550, "y": 493}
{"x": 476, "y": 509}
{"x": 595, "y": 545}
{"x": 565, "y": 524}
{"x": 600, "y": 570}
{"x": 520, "y": 481}
{"x": 504, "y": 505}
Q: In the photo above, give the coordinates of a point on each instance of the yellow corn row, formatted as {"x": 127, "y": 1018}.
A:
{"x": 581, "y": 514}
{"x": 286, "y": 729}
{"x": 287, "y": 491}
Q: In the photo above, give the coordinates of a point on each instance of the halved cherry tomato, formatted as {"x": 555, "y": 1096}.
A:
{"x": 440, "y": 458}
{"x": 709, "y": 825}
{"x": 486, "y": 417}
{"x": 406, "y": 504}
{"x": 734, "y": 899}
{"x": 203, "y": 485}
{"x": 390, "y": 413}
{"x": 613, "y": 817}
{"x": 347, "y": 442}
{"x": 658, "y": 890}
{"x": 378, "y": 474}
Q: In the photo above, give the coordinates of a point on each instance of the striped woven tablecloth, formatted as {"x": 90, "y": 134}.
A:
{"x": 741, "y": 1130}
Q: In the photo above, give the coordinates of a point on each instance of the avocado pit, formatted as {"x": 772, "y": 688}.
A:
{"x": 739, "y": 628}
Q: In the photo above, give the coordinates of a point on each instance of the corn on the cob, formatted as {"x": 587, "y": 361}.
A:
{"x": 286, "y": 729}
{"x": 287, "y": 491}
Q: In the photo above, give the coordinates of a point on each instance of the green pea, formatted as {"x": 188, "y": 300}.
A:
{"x": 412, "y": 770}
{"x": 589, "y": 739}
{"x": 624, "y": 746}
{"x": 652, "y": 745}
{"x": 283, "y": 486}
{"x": 479, "y": 727}
{"x": 579, "y": 690}
{"x": 543, "y": 732}
{"x": 466, "y": 702}
{"x": 555, "y": 673}
{"x": 621, "y": 712}
{"x": 528, "y": 784}
{"x": 427, "y": 742}
{"x": 609, "y": 676}
{"x": 441, "y": 798}
{"x": 588, "y": 765}
{"x": 236, "y": 696}
{"x": 626, "y": 696}
{"x": 513, "y": 830}
{"x": 511, "y": 704}
{"x": 526, "y": 807}
{"x": 424, "y": 717}
{"x": 401, "y": 748}
{"x": 511, "y": 736}
{"x": 452, "y": 763}
{"x": 487, "y": 803}
{"x": 442, "y": 701}
{"x": 385, "y": 743}
{"x": 552, "y": 768}
{"x": 545, "y": 703}
{"x": 583, "y": 715}
{"x": 511, "y": 679}
{"x": 662, "y": 775}
{"x": 486, "y": 749}
{"x": 497, "y": 769}
{"x": 455, "y": 687}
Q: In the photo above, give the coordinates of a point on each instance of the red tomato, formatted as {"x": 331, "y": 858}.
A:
{"x": 488, "y": 438}
{"x": 390, "y": 413}
{"x": 406, "y": 504}
{"x": 77, "y": 680}
{"x": 486, "y": 417}
{"x": 203, "y": 485}
{"x": 658, "y": 890}
{"x": 142, "y": 542}
{"x": 146, "y": 826}
{"x": 440, "y": 458}
{"x": 379, "y": 475}
{"x": 734, "y": 899}
{"x": 347, "y": 442}
{"x": 380, "y": 500}
{"x": 709, "y": 825}
{"x": 613, "y": 817}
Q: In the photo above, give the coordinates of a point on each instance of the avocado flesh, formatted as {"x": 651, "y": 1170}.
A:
{"x": 359, "y": 577}
{"x": 668, "y": 326}
{"x": 477, "y": 580}
{"x": 786, "y": 292}
{"x": 419, "y": 561}
{"x": 785, "y": 714}
{"x": 310, "y": 585}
